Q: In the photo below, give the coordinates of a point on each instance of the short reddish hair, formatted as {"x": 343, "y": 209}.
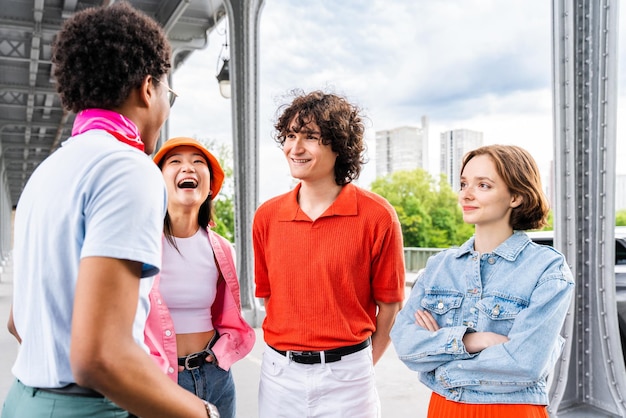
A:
{"x": 521, "y": 175}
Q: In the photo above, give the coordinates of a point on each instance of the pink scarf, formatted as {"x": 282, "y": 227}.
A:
{"x": 117, "y": 125}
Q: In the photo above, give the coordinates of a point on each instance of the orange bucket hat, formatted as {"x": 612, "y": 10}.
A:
{"x": 217, "y": 174}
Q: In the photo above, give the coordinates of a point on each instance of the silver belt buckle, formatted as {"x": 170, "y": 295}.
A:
{"x": 191, "y": 357}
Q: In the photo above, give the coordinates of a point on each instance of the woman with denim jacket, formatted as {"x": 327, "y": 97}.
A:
{"x": 195, "y": 329}
{"x": 482, "y": 323}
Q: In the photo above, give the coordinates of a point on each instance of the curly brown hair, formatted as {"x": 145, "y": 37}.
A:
{"x": 521, "y": 175}
{"x": 340, "y": 124}
{"x": 102, "y": 53}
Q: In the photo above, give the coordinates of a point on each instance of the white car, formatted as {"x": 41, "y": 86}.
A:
{"x": 546, "y": 238}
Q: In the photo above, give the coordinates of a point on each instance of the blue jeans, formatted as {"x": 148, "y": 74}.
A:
{"x": 212, "y": 384}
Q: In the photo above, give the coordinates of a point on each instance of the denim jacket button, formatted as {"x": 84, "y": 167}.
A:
{"x": 440, "y": 305}
{"x": 491, "y": 260}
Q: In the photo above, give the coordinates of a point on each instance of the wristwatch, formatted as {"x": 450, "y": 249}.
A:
{"x": 211, "y": 410}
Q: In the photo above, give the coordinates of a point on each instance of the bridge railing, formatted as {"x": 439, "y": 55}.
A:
{"x": 415, "y": 257}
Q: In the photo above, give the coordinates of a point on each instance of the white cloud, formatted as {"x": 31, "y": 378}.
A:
{"x": 476, "y": 64}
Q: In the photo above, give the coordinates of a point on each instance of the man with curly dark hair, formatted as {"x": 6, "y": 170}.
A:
{"x": 329, "y": 265}
{"x": 88, "y": 232}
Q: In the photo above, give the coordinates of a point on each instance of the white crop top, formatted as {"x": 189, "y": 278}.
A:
{"x": 189, "y": 281}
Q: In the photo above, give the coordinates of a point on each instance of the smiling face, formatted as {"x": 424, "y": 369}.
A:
{"x": 187, "y": 177}
{"x": 309, "y": 159}
{"x": 484, "y": 196}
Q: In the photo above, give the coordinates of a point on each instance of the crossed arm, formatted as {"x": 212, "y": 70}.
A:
{"x": 474, "y": 341}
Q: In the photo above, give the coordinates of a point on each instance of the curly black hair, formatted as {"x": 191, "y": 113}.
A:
{"x": 102, "y": 53}
{"x": 340, "y": 124}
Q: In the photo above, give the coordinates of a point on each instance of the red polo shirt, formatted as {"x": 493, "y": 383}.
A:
{"x": 323, "y": 277}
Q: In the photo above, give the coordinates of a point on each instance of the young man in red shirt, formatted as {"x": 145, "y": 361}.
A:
{"x": 329, "y": 265}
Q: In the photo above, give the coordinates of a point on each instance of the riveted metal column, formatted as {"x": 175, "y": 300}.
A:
{"x": 5, "y": 213}
{"x": 243, "y": 20}
{"x": 589, "y": 380}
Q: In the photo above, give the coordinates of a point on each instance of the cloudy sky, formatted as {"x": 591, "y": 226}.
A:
{"x": 477, "y": 64}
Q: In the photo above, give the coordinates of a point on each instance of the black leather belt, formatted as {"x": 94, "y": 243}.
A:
{"x": 330, "y": 356}
{"x": 195, "y": 360}
{"x": 73, "y": 390}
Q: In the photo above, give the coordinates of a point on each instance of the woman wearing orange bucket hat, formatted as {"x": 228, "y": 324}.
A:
{"x": 195, "y": 329}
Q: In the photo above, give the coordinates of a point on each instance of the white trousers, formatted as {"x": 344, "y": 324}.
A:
{"x": 345, "y": 388}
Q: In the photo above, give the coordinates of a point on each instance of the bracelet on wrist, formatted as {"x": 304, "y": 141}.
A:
{"x": 211, "y": 410}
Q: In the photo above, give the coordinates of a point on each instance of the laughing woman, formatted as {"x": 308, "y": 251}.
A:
{"x": 482, "y": 323}
{"x": 197, "y": 293}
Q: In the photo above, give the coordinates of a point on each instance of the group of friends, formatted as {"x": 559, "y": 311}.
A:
{"x": 126, "y": 303}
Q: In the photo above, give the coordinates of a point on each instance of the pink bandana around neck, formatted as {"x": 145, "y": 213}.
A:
{"x": 117, "y": 125}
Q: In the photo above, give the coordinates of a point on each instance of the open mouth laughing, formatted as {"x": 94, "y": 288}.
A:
{"x": 188, "y": 183}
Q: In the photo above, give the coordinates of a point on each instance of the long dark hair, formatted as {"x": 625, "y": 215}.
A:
{"x": 205, "y": 215}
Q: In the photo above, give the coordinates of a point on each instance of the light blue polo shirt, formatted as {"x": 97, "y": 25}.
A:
{"x": 95, "y": 196}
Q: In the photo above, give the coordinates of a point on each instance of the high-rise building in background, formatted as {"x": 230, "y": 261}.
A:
{"x": 404, "y": 148}
{"x": 454, "y": 145}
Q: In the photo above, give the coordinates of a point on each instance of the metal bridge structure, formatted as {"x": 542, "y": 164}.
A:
{"x": 32, "y": 120}
{"x": 590, "y": 378}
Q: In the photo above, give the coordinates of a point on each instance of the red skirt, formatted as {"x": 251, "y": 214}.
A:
{"x": 440, "y": 407}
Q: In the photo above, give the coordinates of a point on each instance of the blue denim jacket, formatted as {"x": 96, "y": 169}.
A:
{"x": 522, "y": 290}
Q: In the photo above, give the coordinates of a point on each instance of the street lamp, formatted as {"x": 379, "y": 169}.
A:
{"x": 223, "y": 78}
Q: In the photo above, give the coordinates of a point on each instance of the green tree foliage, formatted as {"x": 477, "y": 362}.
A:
{"x": 224, "y": 211}
{"x": 550, "y": 225}
{"x": 448, "y": 226}
{"x": 223, "y": 206}
{"x": 428, "y": 210}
